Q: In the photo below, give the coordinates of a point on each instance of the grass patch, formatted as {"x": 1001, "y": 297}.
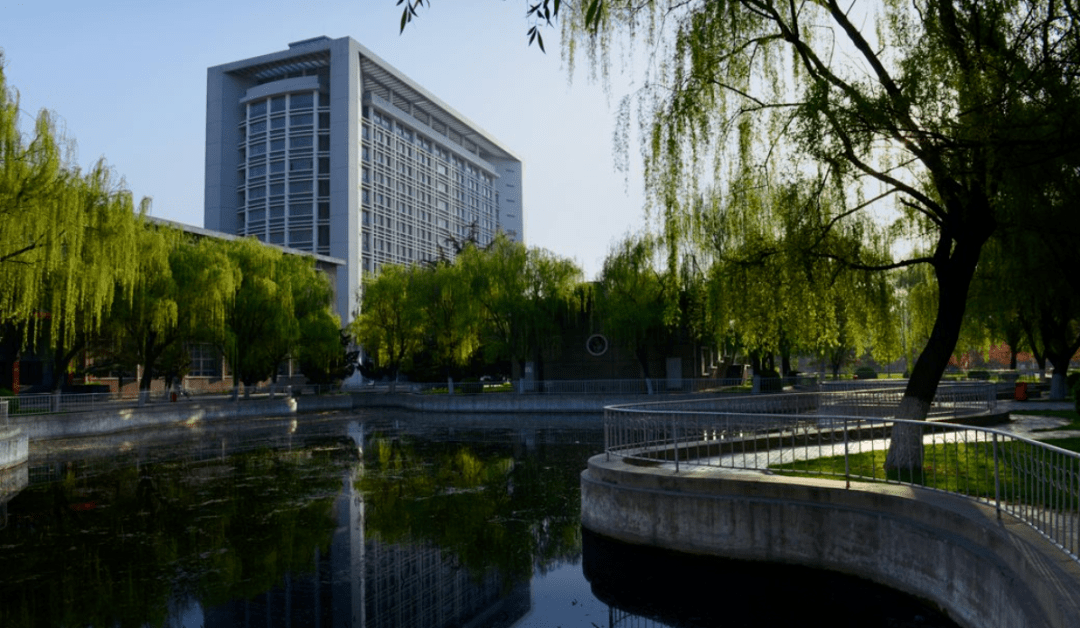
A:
{"x": 1072, "y": 444}
{"x": 1071, "y": 415}
{"x": 966, "y": 468}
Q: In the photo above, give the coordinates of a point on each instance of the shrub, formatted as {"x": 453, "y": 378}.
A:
{"x": 1072, "y": 380}
{"x": 865, "y": 372}
{"x": 983, "y": 375}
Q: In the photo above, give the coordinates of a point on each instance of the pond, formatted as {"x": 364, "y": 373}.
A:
{"x": 374, "y": 519}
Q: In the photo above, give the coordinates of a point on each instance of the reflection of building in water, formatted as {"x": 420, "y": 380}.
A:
{"x": 362, "y": 583}
{"x": 411, "y": 586}
{"x": 618, "y": 618}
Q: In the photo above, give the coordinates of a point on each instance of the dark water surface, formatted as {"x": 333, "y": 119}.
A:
{"x": 377, "y": 519}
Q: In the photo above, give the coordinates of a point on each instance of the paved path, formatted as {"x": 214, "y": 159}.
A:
{"x": 1035, "y": 426}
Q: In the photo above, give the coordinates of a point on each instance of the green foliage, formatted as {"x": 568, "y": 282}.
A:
{"x": 504, "y": 299}
{"x": 390, "y": 325}
{"x": 633, "y": 298}
{"x": 181, "y": 296}
{"x": 68, "y": 238}
{"x": 280, "y": 303}
{"x": 918, "y": 119}
{"x": 865, "y": 372}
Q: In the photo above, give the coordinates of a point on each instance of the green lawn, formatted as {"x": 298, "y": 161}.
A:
{"x": 965, "y": 468}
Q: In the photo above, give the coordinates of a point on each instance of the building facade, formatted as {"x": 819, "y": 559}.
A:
{"x": 325, "y": 147}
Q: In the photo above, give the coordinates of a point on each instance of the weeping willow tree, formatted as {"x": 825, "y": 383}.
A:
{"x": 390, "y": 325}
{"x": 181, "y": 295}
{"x": 67, "y": 238}
{"x": 925, "y": 107}
{"x": 634, "y": 298}
{"x": 524, "y": 296}
{"x": 776, "y": 293}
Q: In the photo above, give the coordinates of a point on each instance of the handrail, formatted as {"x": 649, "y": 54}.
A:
{"x": 64, "y": 403}
{"x": 1035, "y": 482}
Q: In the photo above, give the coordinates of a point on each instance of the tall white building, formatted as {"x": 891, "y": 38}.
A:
{"x": 325, "y": 147}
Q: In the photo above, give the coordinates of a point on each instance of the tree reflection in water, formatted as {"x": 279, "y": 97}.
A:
{"x": 268, "y": 527}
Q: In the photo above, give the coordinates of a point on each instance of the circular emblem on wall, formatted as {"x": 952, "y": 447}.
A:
{"x": 596, "y": 344}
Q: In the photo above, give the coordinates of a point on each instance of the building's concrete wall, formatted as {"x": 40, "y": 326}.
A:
{"x": 511, "y": 206}
{"x": 983, "y": 571}
{"x": 345, "y": 97}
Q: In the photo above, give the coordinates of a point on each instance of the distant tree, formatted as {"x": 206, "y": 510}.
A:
{"x": 280, "y": 302}
{"x": 632, "y": 301}
{"x": 451, "y": 313}
{"x": 524, "y": 294}
{"x": 182, "y": 294}
{"x": 390, "y": 325}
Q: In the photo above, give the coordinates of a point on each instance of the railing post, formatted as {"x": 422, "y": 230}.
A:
{"x": 847, "y": 462}
{"x": 675, "y": 438}
{"x": 997, "y": 480}
{"x": 609, "y": 433}
{"x": 4, "y": 412}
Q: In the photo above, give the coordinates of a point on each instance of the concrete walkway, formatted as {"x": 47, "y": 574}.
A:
{"x": 1034, "y": 426}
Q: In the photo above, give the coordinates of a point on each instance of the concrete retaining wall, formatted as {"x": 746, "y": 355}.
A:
{"x": 505, "y": 403}
{"x": 77, "y": 424}
{"x": 14, "y": 447}
{"x": 982, "y": 571}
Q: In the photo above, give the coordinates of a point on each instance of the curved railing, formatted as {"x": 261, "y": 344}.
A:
{"x": 848, "y": 437}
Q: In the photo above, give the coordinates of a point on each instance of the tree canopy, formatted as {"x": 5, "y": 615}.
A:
{"x": 928, "y": 109}
{"x": 67, "y": 238}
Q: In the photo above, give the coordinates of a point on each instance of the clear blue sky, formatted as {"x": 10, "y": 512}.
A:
{"x": 127, "y": 80}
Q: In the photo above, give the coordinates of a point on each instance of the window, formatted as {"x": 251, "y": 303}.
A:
{"x": 301, "y": 101}
{"x": 300, "y": 237}
{"x": 257, "y": 109}
{"x": 205, "y": 361}
{"x": 277, "y": 104}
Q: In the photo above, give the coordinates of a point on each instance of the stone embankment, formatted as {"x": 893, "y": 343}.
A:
{"x": 130, "y": 417}
{"x": 982, "y": 570}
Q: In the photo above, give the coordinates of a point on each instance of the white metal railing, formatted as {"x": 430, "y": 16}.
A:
{"x": 1033, "y": 481}
{"x": 639, "y": 386}
{"x": 60, "y": 403}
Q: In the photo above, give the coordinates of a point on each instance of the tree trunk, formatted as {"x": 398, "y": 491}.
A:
{"x": 61, "y": 360}
{"x": 954, "y": 275}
